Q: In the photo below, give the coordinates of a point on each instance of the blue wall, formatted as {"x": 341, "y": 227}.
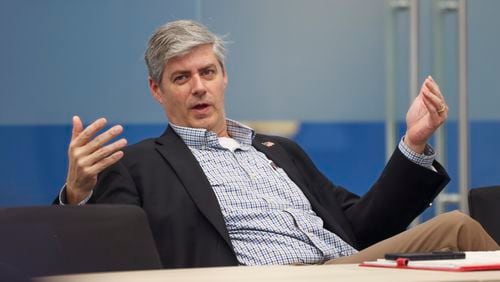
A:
{"x": 33, "y": 165}
{"x": 321, "y": 62}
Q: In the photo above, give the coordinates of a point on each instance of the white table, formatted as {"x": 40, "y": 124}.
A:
{"x": 346, "y": 272}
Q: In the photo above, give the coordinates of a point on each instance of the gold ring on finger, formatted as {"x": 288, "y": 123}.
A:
{"x": 442, "y": 109}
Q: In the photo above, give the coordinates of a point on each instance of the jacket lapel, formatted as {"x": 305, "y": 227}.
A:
{"x": 281, "y": 158}
{"x": 190, "y": 173}
{"x": 276, "y": 153}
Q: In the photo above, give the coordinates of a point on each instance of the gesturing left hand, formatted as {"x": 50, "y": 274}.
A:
{"x": 427, "y": 112}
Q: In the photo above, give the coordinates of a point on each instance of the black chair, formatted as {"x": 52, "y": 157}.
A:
{"x": 52, "y": 240}
{"x": 484, "y": 206}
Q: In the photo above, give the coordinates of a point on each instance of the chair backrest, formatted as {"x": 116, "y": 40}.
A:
{"x": 484, "y": 206}
{"x": 52, "y": 240}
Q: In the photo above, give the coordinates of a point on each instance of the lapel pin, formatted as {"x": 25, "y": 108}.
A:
{"x": 268, "y": 144}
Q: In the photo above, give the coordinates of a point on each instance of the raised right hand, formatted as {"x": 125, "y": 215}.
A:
{"x": 89, "y": 156}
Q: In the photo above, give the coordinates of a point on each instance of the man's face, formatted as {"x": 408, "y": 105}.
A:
{"x": 192, "y": 90}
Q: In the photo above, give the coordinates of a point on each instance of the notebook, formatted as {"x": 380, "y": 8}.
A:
{"x": 473, "y": 261}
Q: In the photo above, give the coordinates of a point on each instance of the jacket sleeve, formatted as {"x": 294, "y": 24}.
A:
{"x": 403, "y": 191}
{"x": 114, "y": 186}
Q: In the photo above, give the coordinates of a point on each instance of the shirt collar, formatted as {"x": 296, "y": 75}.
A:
{"x": 201, "y": 138}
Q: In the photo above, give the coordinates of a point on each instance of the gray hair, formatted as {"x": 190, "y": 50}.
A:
{"x": 178, "y": 38}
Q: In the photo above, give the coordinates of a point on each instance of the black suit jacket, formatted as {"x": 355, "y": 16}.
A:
{"x": 163, "y": 177}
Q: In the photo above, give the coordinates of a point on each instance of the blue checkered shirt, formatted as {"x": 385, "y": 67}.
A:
{"x": 268, "y": 218}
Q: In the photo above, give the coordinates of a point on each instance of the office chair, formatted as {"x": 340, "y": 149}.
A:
{"x": 52, "y": 240}
{"x": 484, "y": 206}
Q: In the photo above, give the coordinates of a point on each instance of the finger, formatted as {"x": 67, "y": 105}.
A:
{"x": 431, "y": 108}
{"x": 434, "y": 105}
{"x": 77, "y": 127}
{"x": 423, "y": 88}
{"x": 105, "y": 163}
{"x": 105, "y": 152}
{"x": 434, "y": 87}
{"x": 84, "y": 137}
{"x": 427, "y": 91}
{"x": 102, "y": 139}
{"x": 425, "y": 85}
{"x": 435, "y": 100}
{"x": 433, "y": 81}
{"x": 436, "y": 117}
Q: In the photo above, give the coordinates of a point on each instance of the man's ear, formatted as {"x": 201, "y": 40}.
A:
{"x": 224, "y": 73}
{"x": 155, "y": 90}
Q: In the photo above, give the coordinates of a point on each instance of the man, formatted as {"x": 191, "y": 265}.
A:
{"x": 217, "y": 194}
